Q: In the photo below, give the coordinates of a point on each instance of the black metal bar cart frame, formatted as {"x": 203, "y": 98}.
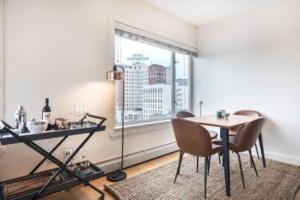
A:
{"x": 74, "y": 179}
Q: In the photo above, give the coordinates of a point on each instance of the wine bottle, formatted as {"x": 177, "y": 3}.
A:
{"x": 46, "y": 112}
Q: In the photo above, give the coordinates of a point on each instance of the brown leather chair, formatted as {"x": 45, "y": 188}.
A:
{"x": 194, "y": 139}
{"x": 234, "y": 131}
{"x": 213, "y": 134}
{"x": 244, "y": 141}
{"x": 185, "y": 114}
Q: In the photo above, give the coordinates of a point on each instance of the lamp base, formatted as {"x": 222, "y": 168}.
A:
{"x": 116, "y": 176}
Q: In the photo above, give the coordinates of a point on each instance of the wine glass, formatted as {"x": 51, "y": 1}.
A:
{"x": 78, "y": 111}
{"x": 84, "y": 164}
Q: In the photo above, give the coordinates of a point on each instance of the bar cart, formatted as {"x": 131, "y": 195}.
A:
{"x": 39, "y": 184}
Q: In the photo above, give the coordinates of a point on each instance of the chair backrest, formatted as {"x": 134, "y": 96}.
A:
{"x": 192, "y": 138}
{"x": 248, "y": 134}
{"x": 184, "y": 114}
{"x": 248, "y": 113}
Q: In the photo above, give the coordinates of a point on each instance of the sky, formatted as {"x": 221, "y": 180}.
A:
{"x": 125, "y": 48}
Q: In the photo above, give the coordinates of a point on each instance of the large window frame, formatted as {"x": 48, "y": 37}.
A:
{"x": 175, "y": 50}
{"x": 190, "y": 82}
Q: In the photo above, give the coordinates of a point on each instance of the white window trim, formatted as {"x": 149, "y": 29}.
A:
{"x": 2, "y": 13}
{"x": 155, "y": 124}
{"x": 147, "y": 34}
{"x": 142, "y": 128}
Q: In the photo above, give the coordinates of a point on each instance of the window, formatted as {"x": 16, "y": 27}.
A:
{"x": 157, "y": 79}
{"x": 182, "y": 82}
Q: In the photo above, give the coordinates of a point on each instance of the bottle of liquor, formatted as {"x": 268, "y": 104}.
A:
{"x": 20, "y": 119}
{"x": 46, "y": 112}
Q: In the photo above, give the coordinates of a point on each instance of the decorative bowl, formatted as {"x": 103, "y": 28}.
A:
{"x": 37, "y": 126}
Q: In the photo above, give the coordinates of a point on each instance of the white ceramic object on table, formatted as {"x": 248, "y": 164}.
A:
{"x": 37, "y": 126}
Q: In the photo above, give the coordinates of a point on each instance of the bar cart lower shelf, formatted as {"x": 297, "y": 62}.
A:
{"x": 24, "y": 188}
{"x": 36, "y": 185}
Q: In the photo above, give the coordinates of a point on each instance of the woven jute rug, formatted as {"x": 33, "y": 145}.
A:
{"x": 277, "y": 181}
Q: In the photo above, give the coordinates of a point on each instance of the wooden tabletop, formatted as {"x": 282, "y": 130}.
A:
{"x": 232, "y": 121}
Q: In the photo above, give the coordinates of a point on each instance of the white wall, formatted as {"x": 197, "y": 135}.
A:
{"x": 252, "y": 61}
{"x": 61, "y": 49}
{"x": 1, "y": 57}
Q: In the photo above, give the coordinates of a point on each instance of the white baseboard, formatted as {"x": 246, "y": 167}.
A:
{"x": 135, "y": 158}
{"x": 283, "y": 158}
{"x": 278, "y": 157}
{"x": 142, "y": 156}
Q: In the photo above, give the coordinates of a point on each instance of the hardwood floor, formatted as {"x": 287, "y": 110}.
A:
{"x": 84, "y": 193}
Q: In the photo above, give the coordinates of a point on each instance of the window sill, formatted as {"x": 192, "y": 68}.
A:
{"x": 143, "y": 124}
{"x": 141, "y": 127}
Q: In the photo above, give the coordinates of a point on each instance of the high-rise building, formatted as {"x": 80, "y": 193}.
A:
{"x": 157, "y": 101}
{"x": 157, "y": 74}
{"x": 147, "y": 94}
{"x": 134, "y": 82}
{"x": 182, "y": 94}
{"x": 168, "y": 76}
{"x": 157, "y": 93}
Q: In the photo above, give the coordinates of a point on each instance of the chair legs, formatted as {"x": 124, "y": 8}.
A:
{"x": 241, "y": 169}
{"x": 179, "y": 165}
{"x": 209, "y": 159}
{"x": 197, "y": 169}
{"x": 253, "y": 163}
{"x": 262, "y": 149}
{"x": 257, "y": 151}
{"x": 206, "y": 169}
{"x": 208, "y": 164}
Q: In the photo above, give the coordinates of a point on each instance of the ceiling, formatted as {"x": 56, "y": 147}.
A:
{"x": 200, "y": 12}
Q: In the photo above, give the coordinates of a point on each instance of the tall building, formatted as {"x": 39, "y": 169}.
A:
{"x": 134, "y": 82}
{"x": 157, "y": 74}
{"x": 168, "y": 76}
{"x": 157, "y": 93}
{"x": 147, "y": 93}
{"x": 157, "y": 101}
{"x": 182, "y": 94}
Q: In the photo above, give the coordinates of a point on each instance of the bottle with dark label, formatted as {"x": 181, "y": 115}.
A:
{"x": 46, "y": 112}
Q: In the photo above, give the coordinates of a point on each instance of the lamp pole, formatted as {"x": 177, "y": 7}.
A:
{"x": 123, "y": 116}
{"x": 119, "y": 175}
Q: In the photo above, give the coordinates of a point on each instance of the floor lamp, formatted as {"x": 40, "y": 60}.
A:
{"x": 116, "y": 75}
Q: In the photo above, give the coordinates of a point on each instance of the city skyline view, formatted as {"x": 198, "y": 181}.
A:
{"x": 125, "y": 48}
{"x": 148, "y": 81}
